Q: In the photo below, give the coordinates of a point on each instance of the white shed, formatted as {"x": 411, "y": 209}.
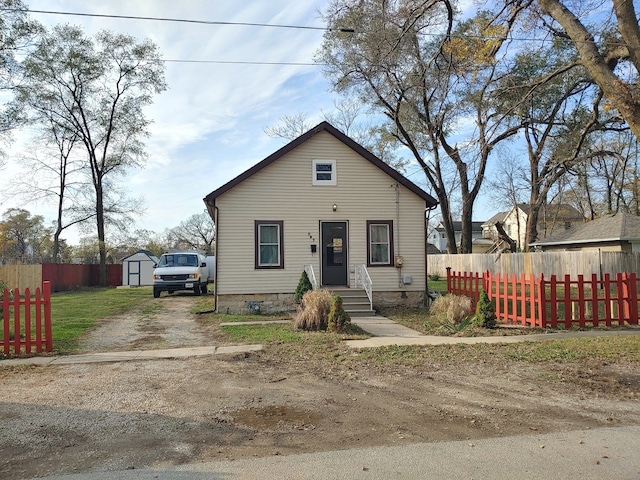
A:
{"x": 137, "y": 268}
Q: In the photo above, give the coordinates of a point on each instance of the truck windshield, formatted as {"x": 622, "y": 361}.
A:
{"x": 178, "y": 260}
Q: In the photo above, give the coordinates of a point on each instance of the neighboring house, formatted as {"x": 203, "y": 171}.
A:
{"x": 619, "y": 232}
{"x": 137, "y": 268}
{"x": 438, "y": 237}
{"x": 490, "y": 241}
{"x": 552, "y": 219}
{"x": 325, "y": 203}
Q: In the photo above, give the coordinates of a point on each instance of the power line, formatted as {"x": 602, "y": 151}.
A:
{"x": 184, "y": 20}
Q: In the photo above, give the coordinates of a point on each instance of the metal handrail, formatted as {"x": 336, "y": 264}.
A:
{"x": 363, "y": 280}
{"x": 312, "y": 276}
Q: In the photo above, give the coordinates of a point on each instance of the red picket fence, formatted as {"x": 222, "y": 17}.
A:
{"x": 29, "y": 334}
{"x": 536, "y": 302}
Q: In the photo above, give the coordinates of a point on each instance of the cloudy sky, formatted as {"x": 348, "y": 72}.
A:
{"x": 208, "y": 126}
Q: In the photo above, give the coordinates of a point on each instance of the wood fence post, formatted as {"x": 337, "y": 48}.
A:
{"x": 27, "y": 320}
{"x": 5, "y": 321}
{"x": 448, "y": 279}
{"x": 633, "y": 299}
{"x": 16, "y": 321}
{"x": 542, "y": 303}
{"x": 46, "y": 287}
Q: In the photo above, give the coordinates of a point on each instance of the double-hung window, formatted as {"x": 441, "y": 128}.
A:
{"x": 269, "y": 245}
{"x": 379, "y": 243}
{"x": 324, "y": 172}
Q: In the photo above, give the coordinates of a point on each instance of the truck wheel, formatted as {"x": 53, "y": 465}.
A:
{"x": 156, "y": 293}
{"x": 203, "y": 288}
{"x": 196, "y": 290}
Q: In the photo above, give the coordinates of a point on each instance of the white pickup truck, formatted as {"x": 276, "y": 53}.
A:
{"x": 181, "y": 271}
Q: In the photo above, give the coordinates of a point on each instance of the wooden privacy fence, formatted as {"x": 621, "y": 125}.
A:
{"x": 63, "y": 276}
{"x": 536, "y": 263}
{"x": 27, "y": 321}
{"x": 537, "y": 302}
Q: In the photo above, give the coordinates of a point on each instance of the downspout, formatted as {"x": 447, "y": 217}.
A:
{"x": 215, "y": 262}
{"x": 397, "y": 239}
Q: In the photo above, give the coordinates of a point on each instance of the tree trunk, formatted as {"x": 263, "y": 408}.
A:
{"x": 102, "y": 281}
{"x": 619, "y": 93}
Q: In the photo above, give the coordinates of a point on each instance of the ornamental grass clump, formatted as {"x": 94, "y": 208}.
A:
{"x": 338, "y": 320}
{"x": 453, "y": 308}
{"x": 313, "y": 311}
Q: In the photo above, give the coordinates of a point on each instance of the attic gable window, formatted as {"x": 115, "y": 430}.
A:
{"x": 324, "y": 172}
{"x": 269, "y": 245}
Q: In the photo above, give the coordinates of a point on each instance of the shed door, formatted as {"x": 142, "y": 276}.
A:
{"x": 134, "y": 273}
{"x": 334, "y": 253}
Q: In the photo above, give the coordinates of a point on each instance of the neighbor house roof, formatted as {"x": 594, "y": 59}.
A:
{"x": 559, "y": 211}
{"x": 498, "y": 217}
{"x": 324, "y": 127}
{"x": 610, "y": 228}
{"x": 457, "y": 226}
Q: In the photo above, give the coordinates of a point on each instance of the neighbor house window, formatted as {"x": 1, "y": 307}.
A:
{"x": 379, "y": 242}
{"x": 269, "y": 245}
{"x": 324, "y": 172}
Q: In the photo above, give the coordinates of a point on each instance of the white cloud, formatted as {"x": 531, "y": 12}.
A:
{"x": 208, "y": 126}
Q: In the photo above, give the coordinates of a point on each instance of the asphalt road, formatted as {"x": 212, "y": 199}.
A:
{"x": 598, "y": 454}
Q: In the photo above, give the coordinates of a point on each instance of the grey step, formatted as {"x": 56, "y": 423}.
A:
{"x": 360, "y": 313}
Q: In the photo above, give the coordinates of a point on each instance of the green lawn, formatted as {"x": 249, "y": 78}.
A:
{"x": 75, "y": 312}
{"x": 72, "y": 313}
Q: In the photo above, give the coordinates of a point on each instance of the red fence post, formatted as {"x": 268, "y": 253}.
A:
{"x": 633, "y": 299}
{"x": 27, "y": 320}
{"x": 46, "y": 287}
{"x": 541, "y": 321}
{"x": 16, "y": 321}
{"x": 39, "y": 304}
{"x": 5, "y": 321}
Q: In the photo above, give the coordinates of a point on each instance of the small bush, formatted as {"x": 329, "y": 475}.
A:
{"x": 485, "y": 312}
{"x": 338, "y": 319}
{"x": 304, "y": 285}
{"x": 454, "y": 308}
{"x": 313, "y": 311}
{"x": 434, "y": 277}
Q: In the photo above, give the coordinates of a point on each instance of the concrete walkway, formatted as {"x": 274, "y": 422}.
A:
{"x": 131, "y": 355}
{"x": 387, "y": 332}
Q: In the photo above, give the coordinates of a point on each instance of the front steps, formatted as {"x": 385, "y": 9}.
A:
{"x": 354, "y": 301}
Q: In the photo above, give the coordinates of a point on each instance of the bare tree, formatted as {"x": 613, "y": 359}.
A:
{"x": 410, "y": 62}
{"x": 196, "y": 232}
{"x": 602, "y": 49}
{"x": 95, "y": 89}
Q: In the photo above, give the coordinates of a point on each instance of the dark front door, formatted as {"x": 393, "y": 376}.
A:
{"x": 334, "y": 253}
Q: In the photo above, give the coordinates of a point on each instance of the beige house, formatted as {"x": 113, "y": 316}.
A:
{"x": 325, "y": 205}
{"x": 619, "y": 232}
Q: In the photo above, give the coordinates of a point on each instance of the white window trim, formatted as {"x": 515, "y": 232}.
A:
{"x": 334, "y": 173}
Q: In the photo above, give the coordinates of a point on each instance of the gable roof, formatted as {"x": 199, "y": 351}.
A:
{"x": 356, "y": 147}
{"x": 457, "y": 226}
{"x": 558, "y": 211}
{"x": 498, "y": 217}
{"x": 620, "y": 226}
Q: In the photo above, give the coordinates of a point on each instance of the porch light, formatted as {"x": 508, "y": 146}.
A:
{"x": 334, "y": 207}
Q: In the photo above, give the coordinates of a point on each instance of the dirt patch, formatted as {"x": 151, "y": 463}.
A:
{"x": 93, "y": 417}
{"x": 165, "y": 322}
